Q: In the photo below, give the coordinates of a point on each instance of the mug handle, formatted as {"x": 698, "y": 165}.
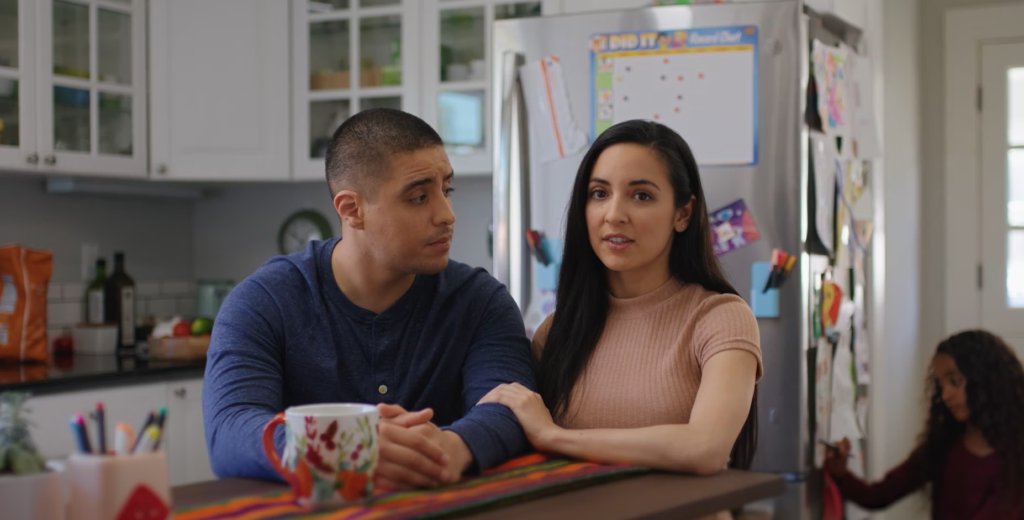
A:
{"x": 271, "y": 451}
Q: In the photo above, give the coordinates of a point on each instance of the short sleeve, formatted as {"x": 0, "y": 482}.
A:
{"x": 540, "y": 337}
{"x": 725, "y": 322}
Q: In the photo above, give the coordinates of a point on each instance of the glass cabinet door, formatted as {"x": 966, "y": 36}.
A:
{"x": 11, "y": 73}
{"x": 461, "y": 110}
{"x": 354, "y": 51}
{"x": 95, "y": 95}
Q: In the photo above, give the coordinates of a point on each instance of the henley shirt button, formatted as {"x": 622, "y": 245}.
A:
{"x": 382, "y": 389}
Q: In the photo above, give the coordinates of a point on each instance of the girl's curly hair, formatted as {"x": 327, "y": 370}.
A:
{"x": 995, "y": 400}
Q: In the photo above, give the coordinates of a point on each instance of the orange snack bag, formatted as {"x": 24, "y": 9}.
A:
{"x": 24, "y": 281}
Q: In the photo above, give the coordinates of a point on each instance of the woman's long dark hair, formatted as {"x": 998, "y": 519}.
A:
{"x": 582, "y": 299}
{"x": 995, "y": 402}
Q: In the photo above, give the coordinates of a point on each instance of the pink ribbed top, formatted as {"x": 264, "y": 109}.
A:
{"x": 647, "y": 366}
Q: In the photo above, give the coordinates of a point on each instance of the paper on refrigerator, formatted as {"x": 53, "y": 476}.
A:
{"x": 861, "y": 82}
{"x": 830, "y": 75}
{"x": 822, "y": 398}
{"x": 823, "y": 150}
{"x": 843, "y": 421}
{"x": 547, "y": 103}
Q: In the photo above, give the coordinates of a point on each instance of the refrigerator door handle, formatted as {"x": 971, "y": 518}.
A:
{"x": 503, "y": 167}
{"x": 511, "y": 185}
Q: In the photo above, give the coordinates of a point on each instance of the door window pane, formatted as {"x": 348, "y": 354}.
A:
{"x": 324, "y": 118}
{"x": 462, "y": 45}
{"x": 9, "y": 33}
{"x": 1016, "y": 106}
{"x": 329, "y": 55}
{"x": 9, "y": 127}
{"x": 115, "y": 46}
{"x": 71, "y": 119}
{"x": 1015, "y": 269}
{"x": 381, "y": 102}
{"x": 70, "y": 39}
{"x": 326, "y": 6}
{"x": 115, "y": 122}
{"x": 380, "y": 47}
{"x": 1015, "y": 178}
{"x": 460, "y": 121}
{"x": 378, "y": 3}
{"x": 517, "y": 10}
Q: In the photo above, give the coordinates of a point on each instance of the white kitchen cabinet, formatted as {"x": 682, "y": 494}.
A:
{"x": 73, "y": 86}
{"x": 184, "y": 435}
{"x": 91, "y": 89}
{"x": 219, "y": 96}
{"x": 329, "y": 37}
{"x": 17, "y": 85}
{"x": 457, "y": 69}
{"x": 183, "y": 441}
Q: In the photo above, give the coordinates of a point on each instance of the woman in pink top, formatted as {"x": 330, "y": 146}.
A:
{"x": 650, "y": 357}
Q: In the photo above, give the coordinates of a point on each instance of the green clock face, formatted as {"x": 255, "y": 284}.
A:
{"x": 302, "y": 228}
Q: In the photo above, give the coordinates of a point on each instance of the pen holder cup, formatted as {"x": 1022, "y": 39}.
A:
{"x": 119, "y": 487}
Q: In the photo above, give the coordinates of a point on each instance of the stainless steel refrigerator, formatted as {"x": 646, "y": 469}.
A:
{"x": 531, "y": 193}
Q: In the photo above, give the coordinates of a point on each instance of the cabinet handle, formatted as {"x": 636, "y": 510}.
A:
{"x": 179, "y": 393}
{"x": 50, "y": 159}
{"x": 32, "y": 158}
{"x": 161, "y": 169}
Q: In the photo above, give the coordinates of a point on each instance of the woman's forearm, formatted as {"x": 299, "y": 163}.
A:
{"x": 671, "y": 447}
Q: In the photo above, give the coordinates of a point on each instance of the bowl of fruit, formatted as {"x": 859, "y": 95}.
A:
{"x": 180, "y": 339}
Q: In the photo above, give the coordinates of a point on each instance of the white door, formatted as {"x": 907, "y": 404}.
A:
{"x": 17, "y": 85}
{"x": 1002, "y": 185}
{"x": 219, "y": 101}
{"x": 91, "y": 99}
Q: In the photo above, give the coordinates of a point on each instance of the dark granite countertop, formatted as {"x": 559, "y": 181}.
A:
{"x": 83, "y": 372}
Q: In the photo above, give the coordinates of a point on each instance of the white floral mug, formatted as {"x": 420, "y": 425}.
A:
{"x": 330, "y": 453}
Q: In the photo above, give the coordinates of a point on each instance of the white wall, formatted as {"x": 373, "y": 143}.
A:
{"x": 896, "y": 359}
{"x": 235, "y": 230}
{"x": 154, "y": 233}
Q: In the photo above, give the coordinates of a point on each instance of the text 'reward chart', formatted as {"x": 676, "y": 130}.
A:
{"x": 702, "y": 83}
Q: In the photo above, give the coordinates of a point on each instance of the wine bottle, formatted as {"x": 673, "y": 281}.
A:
{"x": 120, "y": 296}
{"x": 96, "y": 295}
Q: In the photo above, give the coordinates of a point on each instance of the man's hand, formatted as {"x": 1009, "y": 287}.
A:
{"x": 415, "y": 453}
{"x": 409, "y": 458}
{"x": 459, "y": 456}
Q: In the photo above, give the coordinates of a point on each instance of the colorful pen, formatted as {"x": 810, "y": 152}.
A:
{"x": 80, "y": 422}
{"x": 149, "y": 421}
{"x": 161, "y": 415}
{"x": 76, "y": 432}
{"x": 147, "y": 441}
{"x": 101, "y": 429}
{"x": 124, "y": 439}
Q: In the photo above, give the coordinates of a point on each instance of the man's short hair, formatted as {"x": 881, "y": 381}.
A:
{"x": 363, "y": 145}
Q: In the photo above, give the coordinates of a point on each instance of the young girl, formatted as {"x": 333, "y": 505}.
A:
{"x": 972, "y": 450}
{"x": 650, "y": 357}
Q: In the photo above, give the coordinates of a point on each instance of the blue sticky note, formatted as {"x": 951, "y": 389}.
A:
{"x": 547, "y": 275}
{"x": 764, "y": 304}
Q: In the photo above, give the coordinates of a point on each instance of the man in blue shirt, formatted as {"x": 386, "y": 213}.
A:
{"x": 380, "y": 317}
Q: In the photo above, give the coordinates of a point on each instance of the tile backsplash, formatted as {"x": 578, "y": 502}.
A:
{"x": 161, "y": 299}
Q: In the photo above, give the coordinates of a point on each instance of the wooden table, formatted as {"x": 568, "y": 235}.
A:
{"x": 651, "y": 496}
